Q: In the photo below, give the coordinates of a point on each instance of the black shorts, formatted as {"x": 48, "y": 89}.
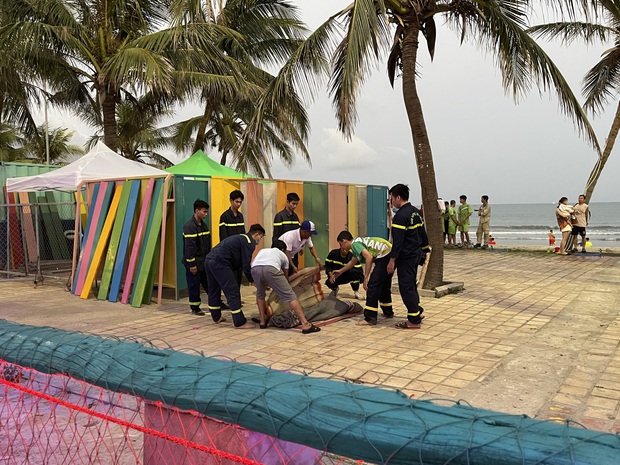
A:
{"x": 578, "y": 231}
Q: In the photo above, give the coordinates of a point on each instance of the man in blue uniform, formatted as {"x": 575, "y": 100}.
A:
{"x": 233, "y": 253}
{"x": 409, "y": 243}
{"x": 232, "y": 222}
{"x": 287, "y": 220}
{"x": 196, "y": 246}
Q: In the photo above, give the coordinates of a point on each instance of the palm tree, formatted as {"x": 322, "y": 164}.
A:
{"x": 11, "y": 149}
{"x": 60, "y": 147}
{"x": 139, "y": 136}
{"x": 602, "y": 82}
{"x": 372, "y": 26}
{"x": 272, "y": 32}
{"x": 96, "y": 54}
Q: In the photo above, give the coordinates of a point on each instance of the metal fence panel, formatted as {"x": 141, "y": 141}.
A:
{"x": 36, "y": 240}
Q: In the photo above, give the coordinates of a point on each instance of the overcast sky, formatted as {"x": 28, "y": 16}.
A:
{"x": 482, "y": 142}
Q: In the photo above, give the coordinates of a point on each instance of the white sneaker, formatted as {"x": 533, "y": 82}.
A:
{"x": 358, "y": 296}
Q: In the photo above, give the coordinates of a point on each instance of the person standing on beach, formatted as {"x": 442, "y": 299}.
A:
{"x": 484, "y": 223}
{"x": 551, "y": 237}
{"x": 287, "y": 220}
{"x": 465, "y": 212}
{"x": 452, "y": 225}
{"x": 563, "y": 214}
{"x": 196, "y": 246}
{"x": 580, "y": 212}
{"x": 232, "y": 223}
{"x": 409, "y": 245}
{"x": 445, "y": 222}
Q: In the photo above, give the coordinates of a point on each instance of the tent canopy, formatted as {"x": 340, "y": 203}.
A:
{"x": 99, "y": 164}
{"x": 199, "y": 164}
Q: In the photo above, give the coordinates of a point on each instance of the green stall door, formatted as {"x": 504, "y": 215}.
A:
{"x": 377, "y": 211}
{"x": 186, "y": 191}
{"x": 316, "y": 210}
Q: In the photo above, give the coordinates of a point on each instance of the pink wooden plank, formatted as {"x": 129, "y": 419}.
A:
{"x": 90, "y": 240}
{"x": 135, "y": 251}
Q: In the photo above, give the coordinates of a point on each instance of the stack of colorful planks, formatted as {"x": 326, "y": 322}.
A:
{"x": 121, "y": 241}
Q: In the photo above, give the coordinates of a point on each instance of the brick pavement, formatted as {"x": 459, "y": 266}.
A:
{"x": 531, "y": 333}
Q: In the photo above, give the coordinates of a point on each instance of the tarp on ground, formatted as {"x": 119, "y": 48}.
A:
{"x": 99, "y": 164}
{"x": 199, "y": 164}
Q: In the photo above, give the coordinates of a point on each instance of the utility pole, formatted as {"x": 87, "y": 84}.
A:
{"x": 47, "y": 137}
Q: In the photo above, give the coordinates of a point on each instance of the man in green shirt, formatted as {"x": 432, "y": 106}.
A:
{"x": 378, "y": 284}
{"x": 465, "y": 212}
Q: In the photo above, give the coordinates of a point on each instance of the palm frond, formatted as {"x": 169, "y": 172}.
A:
{"x": 570, "y": 32}
{"x": 523, "y": 63}
{"x": 602, "y": 82}
{"x": 367, "y": 36}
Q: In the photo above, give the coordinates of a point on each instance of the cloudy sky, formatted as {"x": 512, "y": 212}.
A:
{"x": 482, "y": 142}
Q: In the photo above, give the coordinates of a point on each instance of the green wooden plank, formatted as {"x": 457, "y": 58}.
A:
{"x": 110, "y": 259}
{"x": 52, "y": 245}
{"x": 151, "y": 237}
{"x": 148, "y": 294}
{"x": 58, "y": 230}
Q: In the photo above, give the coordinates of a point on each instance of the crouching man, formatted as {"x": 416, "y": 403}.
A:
{"x": 270, "y": 268}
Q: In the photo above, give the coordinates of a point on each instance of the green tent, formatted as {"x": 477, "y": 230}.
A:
{"x": 199, "y": 164}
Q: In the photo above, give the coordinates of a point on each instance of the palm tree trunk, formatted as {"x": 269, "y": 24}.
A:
{"x": 110, "y": 136}
{"x": 202, "y": 128}
{"x": 224, "y": 157}
{"x": 423, "y": 155}
{"x": 600, "y": 163}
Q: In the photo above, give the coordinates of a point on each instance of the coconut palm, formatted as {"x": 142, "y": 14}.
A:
{"x": 400, "y": 26}
{"x": 95, "y": 54}
{"x": 10, "y": 144}
{"x": 140, "y": 137}
{"x": 272, "y": 32}
{"x": 602, "y": 82}
{"x": 58, "y": 143}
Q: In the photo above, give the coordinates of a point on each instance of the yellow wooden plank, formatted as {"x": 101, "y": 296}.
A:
{"x": 102, "y": 243}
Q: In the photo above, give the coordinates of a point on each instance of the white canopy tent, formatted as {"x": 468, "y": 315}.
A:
{"x": 99, "y": 164}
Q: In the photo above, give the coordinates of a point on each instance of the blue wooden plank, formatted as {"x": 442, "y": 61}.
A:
{"x": 123, "y": 245}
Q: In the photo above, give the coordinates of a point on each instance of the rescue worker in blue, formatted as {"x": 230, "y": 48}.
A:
{"x": 196, "y": 246}
{"x": 287, "y": 220}
{"x": 232, "y": 222}
{"x": 409, "y": 245}
{"x": 234, "y": 252}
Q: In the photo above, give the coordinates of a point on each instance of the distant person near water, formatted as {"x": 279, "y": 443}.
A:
{"x": 445, "y": 221}
{"x": 580, "y": 222}
{"x": 465, "y": 212}
{"x": 484, "y": 223}
{"x": 453, "y": 222}
{"x": 563, "y": 215}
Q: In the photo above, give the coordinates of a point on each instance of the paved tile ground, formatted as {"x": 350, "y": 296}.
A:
{"x": 532, "y": 333}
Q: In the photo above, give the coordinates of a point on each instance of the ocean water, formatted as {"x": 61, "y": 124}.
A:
{"x": 529, "y": 224}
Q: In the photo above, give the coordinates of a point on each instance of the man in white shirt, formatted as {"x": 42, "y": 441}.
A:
{"x": 295, "y": 241}
{"x": 270, "y": 268}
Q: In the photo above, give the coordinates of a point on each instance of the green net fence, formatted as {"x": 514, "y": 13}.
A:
{"x": 364, "y": 423}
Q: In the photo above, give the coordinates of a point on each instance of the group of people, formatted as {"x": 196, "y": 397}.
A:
{"x": 572, "y": 221}
{"x": 458, "y": 219}
{"x": 369, "y": 261}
